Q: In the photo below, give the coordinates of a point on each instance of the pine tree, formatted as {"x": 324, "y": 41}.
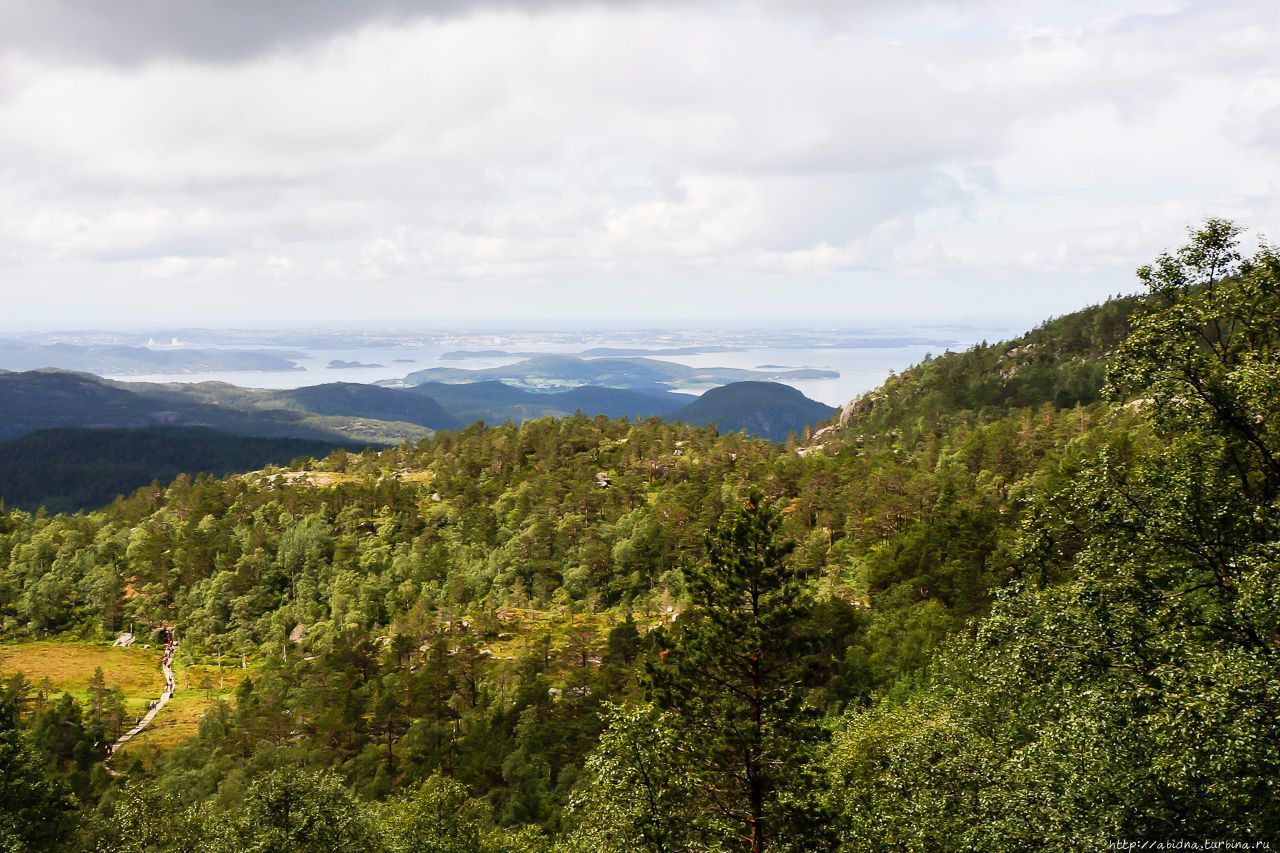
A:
{"x": 730, "y": 677}
{"x": 98, "y": 693}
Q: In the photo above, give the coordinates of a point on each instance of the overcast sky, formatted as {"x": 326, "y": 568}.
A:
{"x": 322, "y": 162}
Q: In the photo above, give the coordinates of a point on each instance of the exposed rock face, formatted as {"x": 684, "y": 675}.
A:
{"x": 849, "y": 410}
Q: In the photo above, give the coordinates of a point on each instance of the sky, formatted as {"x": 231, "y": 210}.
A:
{"x": 617, "y": 164}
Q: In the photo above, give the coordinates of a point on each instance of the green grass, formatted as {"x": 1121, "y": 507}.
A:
{"x": 69, "y": 665}
{"x": 180, "y": 718}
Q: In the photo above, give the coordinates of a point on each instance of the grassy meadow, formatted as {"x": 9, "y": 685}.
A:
{"x": 68, "y": 666}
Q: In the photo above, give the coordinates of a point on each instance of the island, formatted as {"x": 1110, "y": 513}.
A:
{"x": 339, "y": 364}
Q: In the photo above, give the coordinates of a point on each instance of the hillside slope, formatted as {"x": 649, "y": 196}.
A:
{"x": 41, "y": 399}
{"x": 352, "y": 399}
{"x": 1060, "y": 363}
{"x": 47, "y": 399}
{"x": 65, "y": 470}
{"x": 1001, "y": 626}
{"x": 496, "y": 402}
{"x": 762, "y": 409}
{"x": 349, "y": 412}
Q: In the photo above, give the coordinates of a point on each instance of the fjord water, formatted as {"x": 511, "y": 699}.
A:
{"x": 861, "y": 367}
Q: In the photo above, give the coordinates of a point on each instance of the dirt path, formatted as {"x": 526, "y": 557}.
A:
{"x": 166, "y": 664}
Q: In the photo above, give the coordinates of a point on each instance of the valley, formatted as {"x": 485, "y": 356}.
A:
{"x": 989, "y": 548}
{"x": 76, "y": 441}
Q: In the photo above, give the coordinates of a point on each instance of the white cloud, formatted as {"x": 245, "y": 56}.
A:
{"x": 169, "y": 267}
{"x": 558, "y": 163}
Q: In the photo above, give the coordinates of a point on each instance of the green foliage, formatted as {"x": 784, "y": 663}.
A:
{"x": 441, "y": 817}
{"x": 729, "y": 676}
{"x": 557, "y": 580}
{"x": 1027, "y": 616}
{"x": 65, "y": 470}
{"x": 1130, "y": 700}
{"x": 1206, "y": 354}
{"x": 1061, "y": 363}
{"x": 36, "y": 810}
{"x": 140, "y": 819}
{"x": 302, "y": 810}
{"x": 641, "y": 790}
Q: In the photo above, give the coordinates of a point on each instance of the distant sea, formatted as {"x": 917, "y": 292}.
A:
{"x": 863, "y": 361}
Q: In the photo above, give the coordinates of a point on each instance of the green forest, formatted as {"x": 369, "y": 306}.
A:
{"x": 67, "y": 469}
{"x": 1021, "y": 597}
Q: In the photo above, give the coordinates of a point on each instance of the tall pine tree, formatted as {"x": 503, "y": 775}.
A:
{"x": 729, "y": 679}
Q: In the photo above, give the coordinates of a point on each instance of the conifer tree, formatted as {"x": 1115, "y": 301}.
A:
{"x": 729, "y": 679}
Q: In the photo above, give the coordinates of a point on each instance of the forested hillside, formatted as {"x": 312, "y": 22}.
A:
{"x": 765, "y": 409}
{"x": 1001, "y": 608}
{"x": 65, "y": 470}
{"x": 52, "y": 399}
{"x": 1062, "y": 362}
{"x": 100, "y": 438}
{"x": 495, "y": 402}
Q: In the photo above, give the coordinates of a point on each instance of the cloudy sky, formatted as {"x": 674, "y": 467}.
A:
{"x": 321, "y": 162}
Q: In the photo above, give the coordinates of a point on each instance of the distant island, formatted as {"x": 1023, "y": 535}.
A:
{"x": 339, "y": 364}
{"x": 594, "y": 352}
{"x": 119, "y": 360}
{"x": 460, "y": 354}
{"x": 597, "y": 352}
{"x": 559, "y": 372}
